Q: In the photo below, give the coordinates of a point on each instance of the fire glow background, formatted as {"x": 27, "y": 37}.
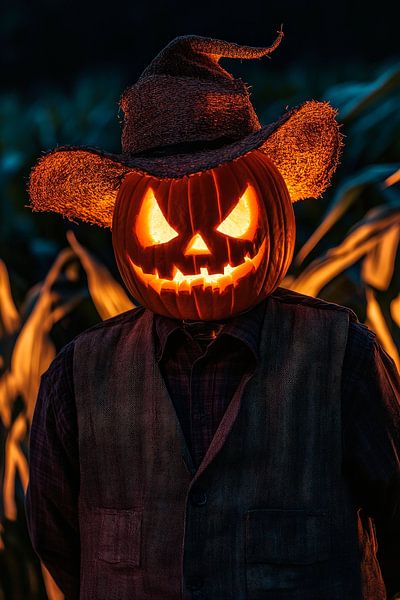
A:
{"x": 64, "y": 66}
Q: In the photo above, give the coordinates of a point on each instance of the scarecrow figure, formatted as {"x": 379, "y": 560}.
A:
{"x": 229, "y": 439}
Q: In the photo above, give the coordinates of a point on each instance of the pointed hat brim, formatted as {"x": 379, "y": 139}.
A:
{"x": 83, "y": 183}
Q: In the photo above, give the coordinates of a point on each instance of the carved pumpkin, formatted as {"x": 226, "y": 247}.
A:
{"x": 205, "y": 246}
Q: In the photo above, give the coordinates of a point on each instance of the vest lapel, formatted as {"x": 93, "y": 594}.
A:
{"x": 229, "y": 418}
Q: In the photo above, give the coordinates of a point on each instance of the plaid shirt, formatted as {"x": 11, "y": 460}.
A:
{"x": 201, "y": 380}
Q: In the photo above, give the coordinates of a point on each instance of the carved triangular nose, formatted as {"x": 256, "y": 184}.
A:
{"x": 197, "y": 246}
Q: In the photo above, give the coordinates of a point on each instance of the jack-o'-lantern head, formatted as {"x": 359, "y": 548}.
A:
{"x": 205, "y": 246}
{"x": 200, "y": 201}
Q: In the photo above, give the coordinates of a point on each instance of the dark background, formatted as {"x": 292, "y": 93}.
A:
{"x": 53, "y": 42}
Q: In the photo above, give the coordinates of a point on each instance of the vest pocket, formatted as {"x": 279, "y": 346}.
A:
{"x": 290, "y": 537}
{"x": 119, "y": 536}
{"x": 286, "y": 554}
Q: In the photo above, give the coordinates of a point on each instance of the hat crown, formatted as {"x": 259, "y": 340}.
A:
{"x": 185, "y": 96}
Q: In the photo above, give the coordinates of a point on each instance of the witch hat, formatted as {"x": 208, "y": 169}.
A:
{"x": 184, "y": 115}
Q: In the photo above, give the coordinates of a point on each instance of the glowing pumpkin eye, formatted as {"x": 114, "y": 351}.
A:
{"x": 242, "y": 220}
{"x": 151, "y": 226}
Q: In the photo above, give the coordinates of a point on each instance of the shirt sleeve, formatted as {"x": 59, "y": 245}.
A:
{"x": 51, "y": 502}
{"x": 371, "y": 441}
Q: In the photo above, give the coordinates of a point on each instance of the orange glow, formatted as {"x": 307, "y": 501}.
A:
{"x": 15, "y": 463}
{"x": 107, "y": 294}
{"x": 395, "y": 310}
{"x": 9, "y": 316}
{"x": 242, "y": 220}
{"x": 376, "y": 321}
{"x": 392, "y": 179}
{"x": 379, "y": 263}
{"x": 32, "y": 354}
{"x": 197, "y": 246}
{"x": 359, "y": 243}
{"x": 217, "y": 281}
{"x": 152, "y": 228}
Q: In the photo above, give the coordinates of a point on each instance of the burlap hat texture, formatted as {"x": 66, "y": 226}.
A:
{"x": 184, "y": 115}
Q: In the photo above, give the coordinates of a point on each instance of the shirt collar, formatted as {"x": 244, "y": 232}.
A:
{"x": 164, "y": 328}
{"x": 245, "y": 327}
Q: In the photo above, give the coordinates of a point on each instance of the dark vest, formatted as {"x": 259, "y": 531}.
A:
{"x": 267, "y": 515}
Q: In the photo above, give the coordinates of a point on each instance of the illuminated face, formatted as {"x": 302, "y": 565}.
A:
{"x": 200, "y": 247}
{"x": 196, "y": 265}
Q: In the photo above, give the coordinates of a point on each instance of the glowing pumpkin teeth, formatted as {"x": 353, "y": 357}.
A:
{"x": 217, "y": 281}
{"x": 155, "y": 283}
{"x": 228, "y": 270}
{"x": 179, "y": 276}
{"x": 184, "y": 287}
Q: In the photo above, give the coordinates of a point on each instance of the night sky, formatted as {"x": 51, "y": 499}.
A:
{"x": 53, "y": 42}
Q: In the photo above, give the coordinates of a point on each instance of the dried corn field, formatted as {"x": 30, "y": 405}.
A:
{"x": 348, "y": 252}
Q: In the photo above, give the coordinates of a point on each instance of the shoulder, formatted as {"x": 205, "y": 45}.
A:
{"x": 365, "y": 361}
{"x": 361, "y": 341}
{"x": 365, "y": 358}
{"x": 105, "y": 332}
{"x": 309, "y": 303}
{"x": 125, "y": 319}
{"x": 60, "y": 370}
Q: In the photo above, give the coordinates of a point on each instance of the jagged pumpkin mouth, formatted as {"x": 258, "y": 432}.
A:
{"x": 217, "y": 281}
